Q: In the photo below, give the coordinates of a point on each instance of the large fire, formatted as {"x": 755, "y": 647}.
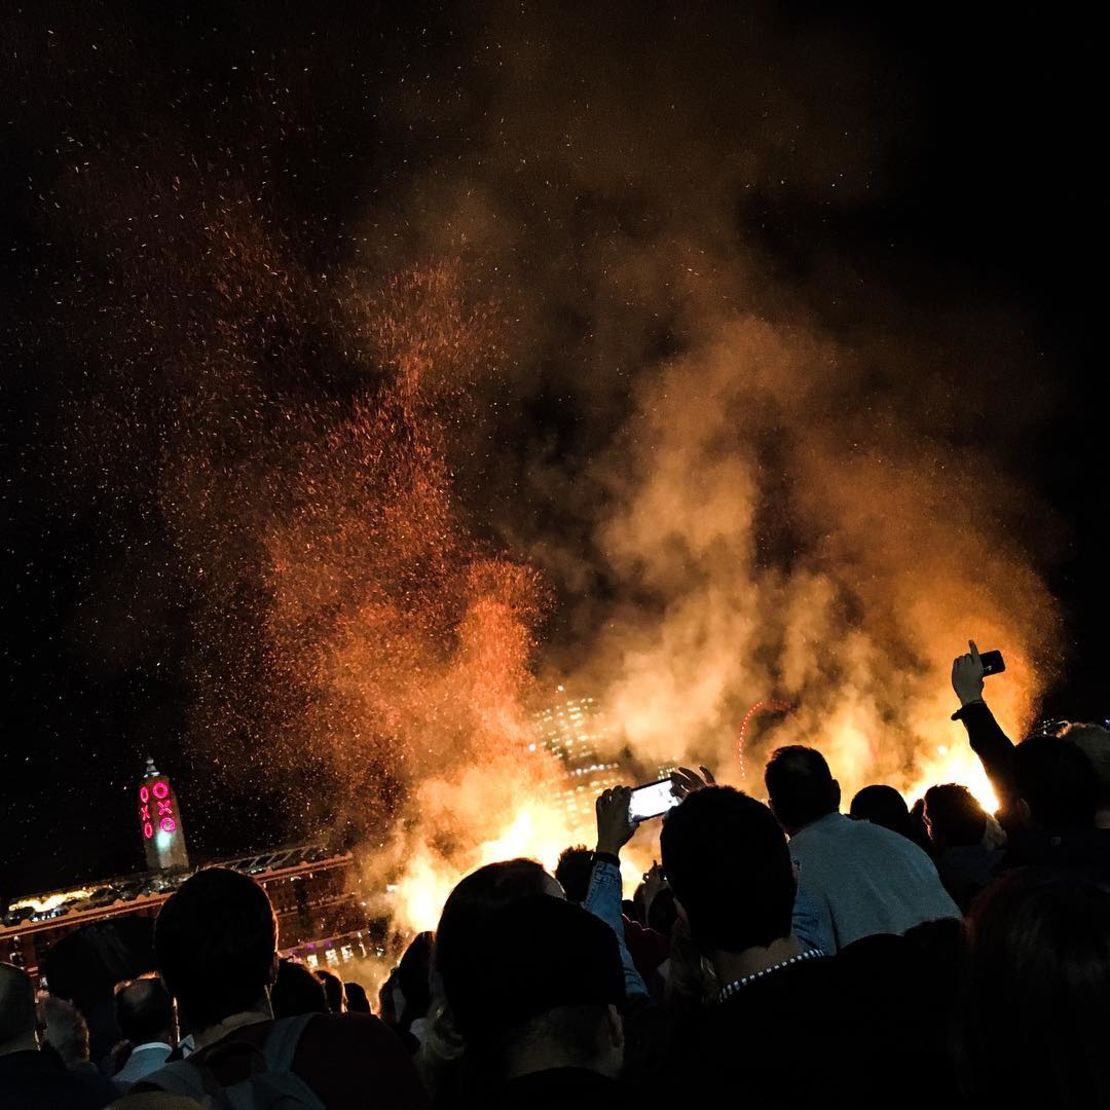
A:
{"x": 413, "y": 644}
{"x": 531, "y": 405}
{"x": 537, "y": 826}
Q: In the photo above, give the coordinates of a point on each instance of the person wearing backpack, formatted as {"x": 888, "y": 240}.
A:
{"x": 215, "y": 942}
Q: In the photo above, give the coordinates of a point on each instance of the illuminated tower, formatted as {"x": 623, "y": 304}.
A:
{"x": 573, "y": 730}
{"x": 160, "y": 823}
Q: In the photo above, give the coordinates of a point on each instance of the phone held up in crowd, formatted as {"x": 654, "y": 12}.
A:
{"x": 653, "y": 799}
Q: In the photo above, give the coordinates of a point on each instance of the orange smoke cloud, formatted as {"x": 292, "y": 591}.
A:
{"x": 896, "y": 555}
{"x": 598, "y": 430}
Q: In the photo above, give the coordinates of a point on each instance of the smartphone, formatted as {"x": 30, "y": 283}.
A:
{"x": 992, "y": 661}
{"x": 653, "y": 799}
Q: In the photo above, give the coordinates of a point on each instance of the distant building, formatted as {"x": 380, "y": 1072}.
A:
{"x": 311, "y": 888}
{"x": 315, "y": 891}
{"x": 574, "y": 731}
{"x": 160, "y": 823}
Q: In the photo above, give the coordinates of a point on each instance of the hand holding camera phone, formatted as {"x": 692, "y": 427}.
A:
{"x": 653, "y": 799}
{"x": 992, "y": 661}
{"x": 968, "y": 672}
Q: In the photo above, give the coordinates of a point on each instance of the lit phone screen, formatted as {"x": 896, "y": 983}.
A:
{"x": 651, "y": 800}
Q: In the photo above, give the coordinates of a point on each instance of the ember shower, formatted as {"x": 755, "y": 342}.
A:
{"x": 541, "y": 406}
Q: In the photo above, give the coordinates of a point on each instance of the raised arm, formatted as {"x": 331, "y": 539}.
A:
{"x": 993, "y": 747}
{"x": 603, "y": 898}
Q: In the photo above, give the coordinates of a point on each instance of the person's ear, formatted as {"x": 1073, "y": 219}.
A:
{"x": 836, "y": 794}
{"x": 616, "y": 1027}
{"x": 1023, "y": 809}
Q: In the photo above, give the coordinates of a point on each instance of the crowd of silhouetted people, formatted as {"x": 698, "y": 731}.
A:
{"x": 779, "y": 955}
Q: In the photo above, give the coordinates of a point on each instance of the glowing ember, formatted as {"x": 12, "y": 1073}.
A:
{"x": 540, "y": 393}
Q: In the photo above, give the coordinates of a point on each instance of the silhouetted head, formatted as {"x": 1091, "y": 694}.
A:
{"x": 414, "y": 977}
{"x": 662, "y": 912}
{"x": 387, "y": 999}
{"x": 543, "y": 990}
{"x": 727, "y": 862}
{"x": 883, "y": 805}
{"x": 1036, "y": 1022}
{"x": 800, "y": 787}
{"x": 333, "y": 990}
{"x": 573, "y": 872}
{"x": 215, "y": 941}
{"x": 357, "y": 1000}
{"x": 297, "y": 991}
{"x": 1057, "y": 782}
{"x": 1094, "y": 742}
{"x": 144, "y": 1011}
{"x": 953, "y": 816}
{"x": 470, "y": 904}
{"x": 18, "y": 1021}
{"x": 64, "y": 1030}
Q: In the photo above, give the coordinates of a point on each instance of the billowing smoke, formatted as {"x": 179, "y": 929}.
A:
{"x": 774, "y": 483}
{"x": 560, "y": 394}
{"x": 778, "y": 545}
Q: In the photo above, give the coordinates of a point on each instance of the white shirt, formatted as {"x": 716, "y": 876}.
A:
{"x": 863, "y": 879}
{"x": 145, "y": 1059}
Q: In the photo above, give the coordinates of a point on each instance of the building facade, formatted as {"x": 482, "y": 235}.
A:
{"x": 575, "y": 731}
{"x": 315, "y": 891}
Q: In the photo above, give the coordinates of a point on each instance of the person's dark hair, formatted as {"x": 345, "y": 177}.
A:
{"x": 297, "y": 991}
{"x": 800, "y": 786}
{"x": 883, "y": 805}
{"x": 727, "y": 862}
{"x": 66, "y": 1030}
{"x": 662, "y": 913}
{"x": 357, "y": 1001}
{"x": 573, "y": 872}
{"x": 215, "y": 941}
{"x": 1035, "y": 1023}
{"x": 333, "y": 990}
{"x": 1057, "y": 782}
{"x": 1094, "y": 742}
{"x": 543, "y": 968}
{"x": 144, "y": 1011}
{"x": 918, "y": 833}
{"x": 386, "y": 1007}
{"x": 468, "y": 909}
{"x": 414, "y": 977}
{"x": 17, "y": 1004}
{"x": 956, "y": 818}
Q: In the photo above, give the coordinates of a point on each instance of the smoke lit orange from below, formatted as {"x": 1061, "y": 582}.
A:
{"x": 757, "y": 531}
{"x": 602, "y": 430}
{"x": 423, "y": 669}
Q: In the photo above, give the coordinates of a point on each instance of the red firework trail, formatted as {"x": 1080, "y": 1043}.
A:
{"x": 759, "y": 709}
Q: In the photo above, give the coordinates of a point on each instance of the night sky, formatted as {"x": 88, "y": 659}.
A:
{"x": 988, "y": 132}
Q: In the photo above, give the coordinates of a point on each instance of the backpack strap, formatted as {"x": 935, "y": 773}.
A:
{"x": 282, "y": 1040}
{"x": 198, "y": 1082}
{"x": 190, "y": 1080}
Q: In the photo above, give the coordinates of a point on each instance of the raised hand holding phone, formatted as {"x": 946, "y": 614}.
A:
{"x": 967, "y": 676}
{"x": 653, "y": 799}
{"x": 614, "y": 822}
{"x": 968, "y": 672}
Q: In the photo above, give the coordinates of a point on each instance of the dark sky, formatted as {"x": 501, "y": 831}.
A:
{"x": 993, "y": 128}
